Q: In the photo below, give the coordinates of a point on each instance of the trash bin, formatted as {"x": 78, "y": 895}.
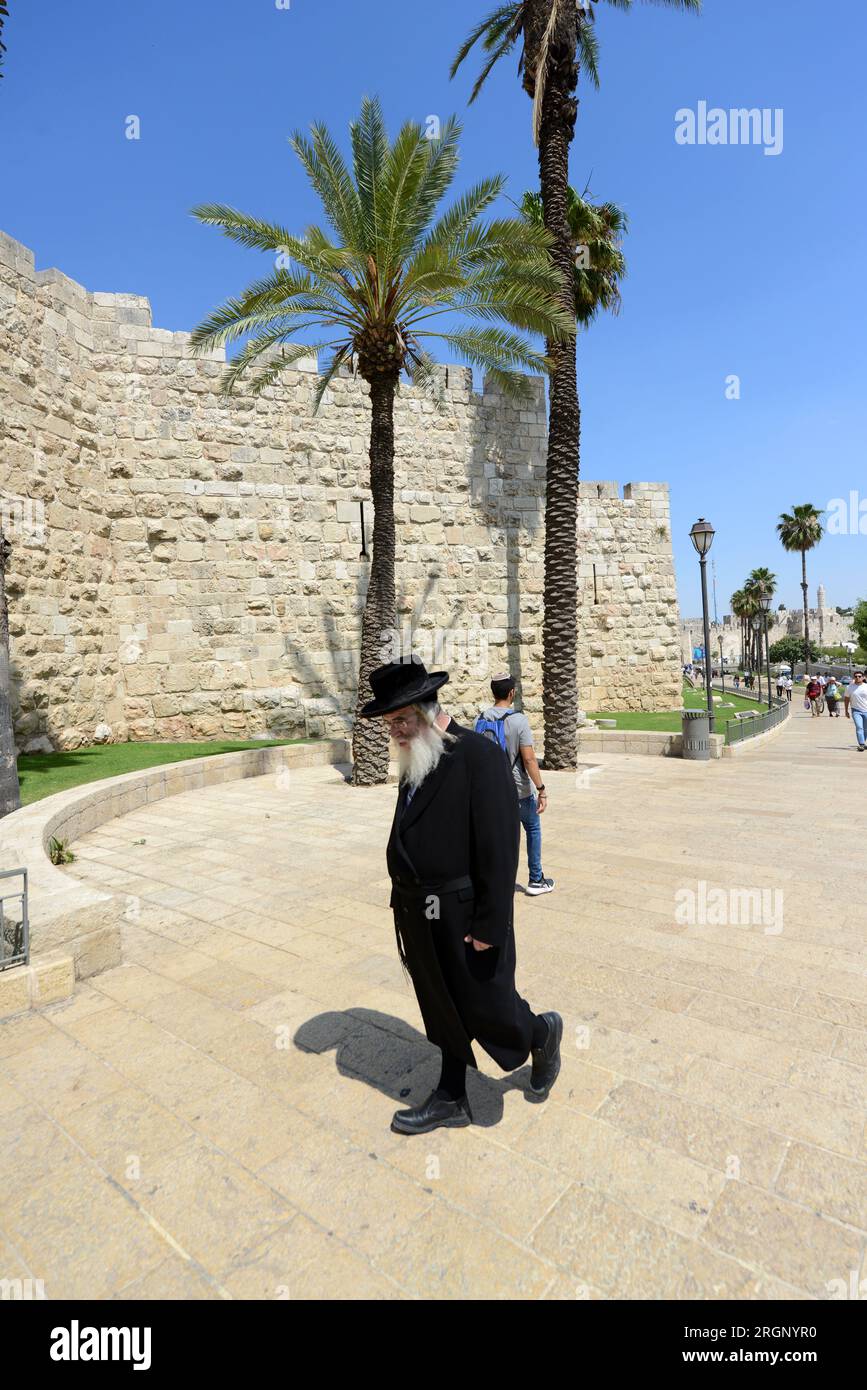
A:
{"x": 696, "y": 734}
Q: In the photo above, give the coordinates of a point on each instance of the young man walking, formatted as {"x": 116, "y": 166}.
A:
{"x": 856, "y": 703}
{"x": 504, "y": 724}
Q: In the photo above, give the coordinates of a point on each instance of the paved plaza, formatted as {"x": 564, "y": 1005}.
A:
{"x": 211, "y": 1118}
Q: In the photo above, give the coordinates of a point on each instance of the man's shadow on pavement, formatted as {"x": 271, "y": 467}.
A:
{"x": 397, "y": 1060}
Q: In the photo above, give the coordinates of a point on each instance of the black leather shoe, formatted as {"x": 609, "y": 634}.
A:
{"x": 546, "y": 1059}
{"x": 434, "y": 1113}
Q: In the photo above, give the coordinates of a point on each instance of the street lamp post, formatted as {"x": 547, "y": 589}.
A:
{"x": 757, "y": 627}
{"x": 722, "y": 667}
{"x": 702, "y": 535}
{"x": 765, "y": 604}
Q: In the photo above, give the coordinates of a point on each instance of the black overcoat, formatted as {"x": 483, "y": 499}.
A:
{"x": 453, "y": 859}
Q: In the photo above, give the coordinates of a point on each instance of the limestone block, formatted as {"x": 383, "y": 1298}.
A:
{"x": 15, "y": 986}
{"x": 51, "y": 980}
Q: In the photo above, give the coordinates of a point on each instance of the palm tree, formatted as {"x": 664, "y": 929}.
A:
{"x": 759, "y": 583}
{"x": 801, "y": 529}
{"x": 598, "y": 263}
{"x": 10, "y": 793}
{"x": 373, "y": 293}
{"x": 739, "y": 609}
{"x": 556, "y": 37}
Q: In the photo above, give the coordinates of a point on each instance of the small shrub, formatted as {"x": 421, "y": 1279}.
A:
{"x": 58, "y": 853}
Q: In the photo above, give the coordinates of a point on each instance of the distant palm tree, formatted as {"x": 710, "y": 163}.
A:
{"x": 739, "y": 609}
{"x": 800, "y": 530}
{"x": 760, "y": 583}
{"x": 373, "y": 293}
{"x": 10, "y": 793}
{"x": 556, "y": 38}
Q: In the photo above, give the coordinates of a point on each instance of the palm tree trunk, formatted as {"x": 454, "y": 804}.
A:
{"x": 370, "y": 737}
{"x": 559, "y": 627}
{"x": 10, "y": 792}
{"x": 806, "y": 609}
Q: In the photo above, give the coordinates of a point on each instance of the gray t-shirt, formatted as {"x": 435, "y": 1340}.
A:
{"x": 518, "y": 735}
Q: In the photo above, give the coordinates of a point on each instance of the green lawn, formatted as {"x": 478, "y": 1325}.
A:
{"x": 669, "y": 721}
{"x": 43, "y": 774}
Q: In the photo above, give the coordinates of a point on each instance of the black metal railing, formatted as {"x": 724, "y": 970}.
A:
{"x": 14, "y": 925}
{"x": 751, "y": 725}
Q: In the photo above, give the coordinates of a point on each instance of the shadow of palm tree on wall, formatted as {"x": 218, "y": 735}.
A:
{"x": 520, "y": 529}
{"x": 335, "y": 693}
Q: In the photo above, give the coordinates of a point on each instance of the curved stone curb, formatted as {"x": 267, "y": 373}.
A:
{"x": 644, "y": 742}
{"x": 75, "y": 929}
{"x": 734, "y": 750}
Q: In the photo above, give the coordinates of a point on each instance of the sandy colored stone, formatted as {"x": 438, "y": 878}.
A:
{"x": 302, "y": 1261}
{"x": 712, "y": 1137}
{"x": 449, "y": 1255}
{"x": 785, "y": 1240}
{"x": 601, "y": 1243}
{"x": 113, "y": 1245}
{"x": 657, "y": 1182}
{"x": 211, "y": 1206}
{"x": 644, "y": 1114}
{"x": 802, "y": 1114}
{"x": 125, "y": 1133}
{"x": 825, "y": 1182}
{"x": 322, "y": 1179}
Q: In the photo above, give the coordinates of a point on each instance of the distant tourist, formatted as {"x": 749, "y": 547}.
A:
{"x": 781, "y": 685}
{"x": 812, "y": 696}
{"x": 832, "y": 698}
{"x": 790, "y": 685}
{"x": 505, "y": 725}
{"x": 737, "y": 682}
{"x": 856, "y": 705}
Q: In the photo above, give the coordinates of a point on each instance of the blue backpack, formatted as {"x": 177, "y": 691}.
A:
{"x": 495, "y": 730}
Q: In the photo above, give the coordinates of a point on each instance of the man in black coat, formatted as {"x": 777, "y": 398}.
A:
{"x": 453, "y": 859}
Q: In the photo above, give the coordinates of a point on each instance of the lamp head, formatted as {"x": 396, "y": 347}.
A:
{"x": 702, "y": 535}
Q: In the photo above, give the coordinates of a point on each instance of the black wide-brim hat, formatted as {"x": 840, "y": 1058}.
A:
{"x": 401, "y": 683}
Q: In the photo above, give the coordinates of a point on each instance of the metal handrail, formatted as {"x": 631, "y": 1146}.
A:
{"x": 737, "y": 730}
{"x": 14, "y": 934}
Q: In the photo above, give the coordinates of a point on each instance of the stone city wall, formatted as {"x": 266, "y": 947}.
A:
{"x": 187, "y": 567}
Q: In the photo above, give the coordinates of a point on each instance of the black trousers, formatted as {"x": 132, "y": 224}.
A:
{"x": 464, "y": 995}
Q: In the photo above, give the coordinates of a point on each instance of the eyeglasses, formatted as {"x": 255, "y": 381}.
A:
{"x": 402, "y": 724}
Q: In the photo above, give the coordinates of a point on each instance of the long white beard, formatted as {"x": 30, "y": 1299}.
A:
{"x": 420, "y": 756}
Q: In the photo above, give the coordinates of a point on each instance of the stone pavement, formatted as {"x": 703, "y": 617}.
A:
{"x": 211, "y": 1119}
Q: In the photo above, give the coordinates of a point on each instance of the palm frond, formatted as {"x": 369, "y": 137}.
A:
{"x": 4, "y": 15}
{"x": 262, "y": 346}
{"x": 498, "y": 32}
{"x": 239, "y": 226}
{"x": 331, "y": 180}
{"x": 370, "y": 152}
{"x": 541, "y": 77}
{"x": 435, "y": 166}
{"x": 341, "y": 355}
{"x": 588, "y": 52}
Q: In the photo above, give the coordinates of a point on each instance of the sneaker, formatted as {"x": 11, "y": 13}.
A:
{"x": 540, "y": 885}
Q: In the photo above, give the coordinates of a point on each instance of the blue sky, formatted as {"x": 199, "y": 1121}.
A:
{"x": 740, "y": 263}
